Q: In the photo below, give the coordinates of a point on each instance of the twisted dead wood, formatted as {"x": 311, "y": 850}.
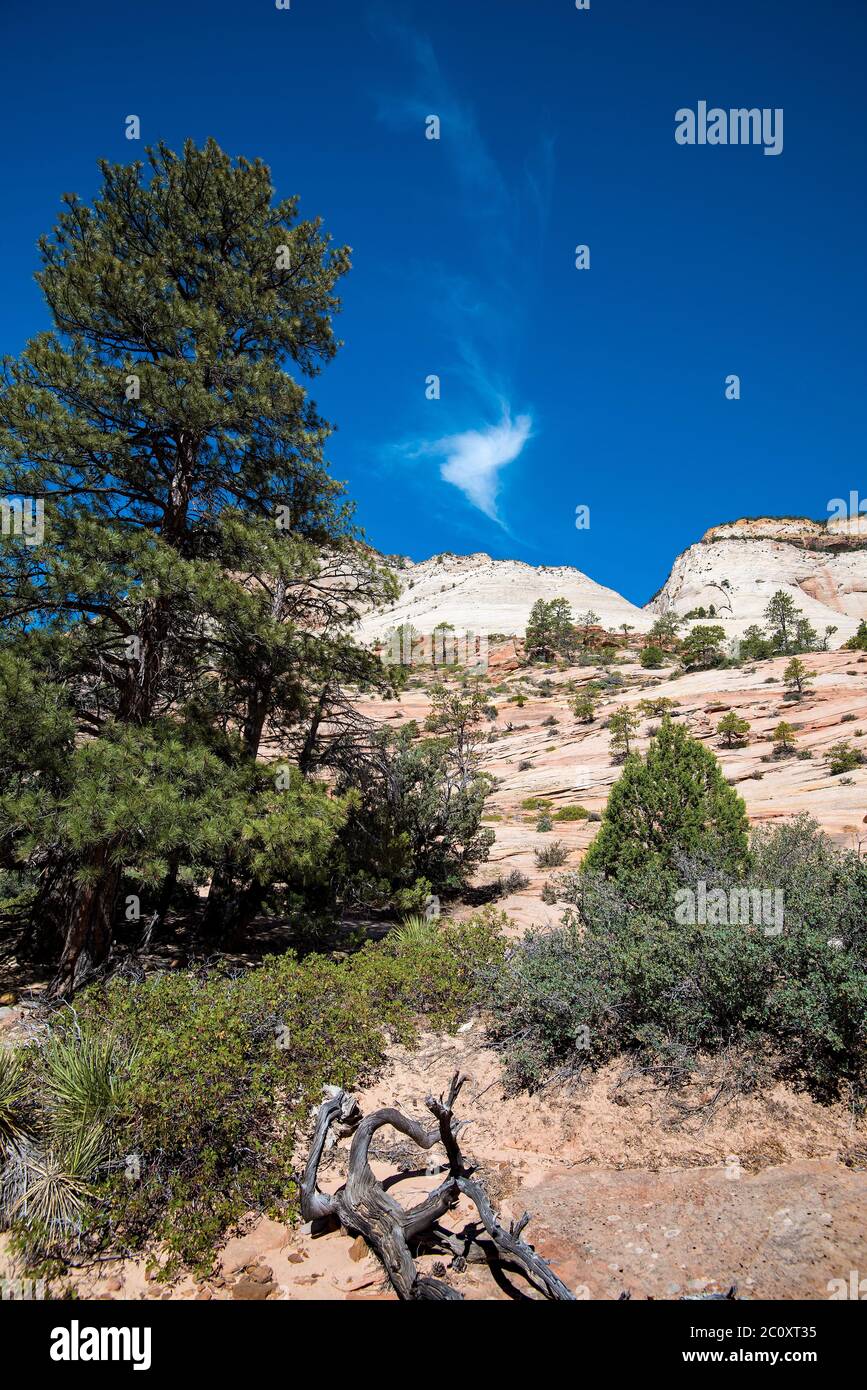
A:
{"x": 363, "y": 1206}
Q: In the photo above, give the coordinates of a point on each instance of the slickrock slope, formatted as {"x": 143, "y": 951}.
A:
{"x": 476, "y": 593}
{"x": 739, "y": 566}
{"x": 567, "y": 762}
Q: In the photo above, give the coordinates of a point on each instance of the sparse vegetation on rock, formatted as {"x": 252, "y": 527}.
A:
{"x": 842, "y": 757}
{"x": 732, "y": 729}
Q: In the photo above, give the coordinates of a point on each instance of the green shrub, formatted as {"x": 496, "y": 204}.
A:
{"x": 655, "y": 706}
{"x": 568, "y": 813}
{"x": 844, "y": 758}
{"x": 859, "y": 641}
{"x": 512, "y": 882}
{"x": 585, "y": 703}
{"x": 624, "y": 976}
{"x": 552, "y": 856}
{"x": 651, "y": 658}
{"x": 784, "y": 736}
{"x": 193, "y": 1088}
{"x": 732, "y": 729}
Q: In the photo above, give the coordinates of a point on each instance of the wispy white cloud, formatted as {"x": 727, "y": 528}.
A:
{"x": 482, "y": 308}
{"x": 476, "y": 169}
{"x": 472, "y": 461}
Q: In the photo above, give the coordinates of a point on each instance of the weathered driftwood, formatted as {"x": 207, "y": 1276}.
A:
{"x": 364, "y": 1207}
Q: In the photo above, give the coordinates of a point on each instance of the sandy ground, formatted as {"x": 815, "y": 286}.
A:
{"x": 629, "y": 1190}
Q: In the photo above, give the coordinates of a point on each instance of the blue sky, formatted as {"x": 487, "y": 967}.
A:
{"x": 559, "y": 387}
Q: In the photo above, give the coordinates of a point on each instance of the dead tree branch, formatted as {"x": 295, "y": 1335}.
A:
{"x": 364, "y": 1207}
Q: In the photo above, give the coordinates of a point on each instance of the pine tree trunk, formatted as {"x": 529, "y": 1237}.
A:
{"x": 221, "y": 905}
{"x": 224, "y": 912}
{"x": 50, "y": 913}
{"x": 90, "y": 929}
{"x": 230, "y": 909}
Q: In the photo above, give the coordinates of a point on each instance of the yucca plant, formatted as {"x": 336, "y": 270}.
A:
{"x": 415, "y": 931}
{"x": 80, "y": 1081}
{"x": 13, "y": 1098}
{"x": 50, "y": 1188}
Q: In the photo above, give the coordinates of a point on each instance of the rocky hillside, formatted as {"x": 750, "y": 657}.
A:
{"x": 476, "y": 593}
{"x": 737, "y": 567}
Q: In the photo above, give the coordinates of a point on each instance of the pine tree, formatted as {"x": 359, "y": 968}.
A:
{"x": 198, "y": 561}
{"x": 782, "y": 616}
{"x": 651, "y": 657}
{"x": 797, "y": 676}
{"x": 754, "y": 645}
{"x": 585, "y": 704}
{"x": 733, "y": 729}
{"x": 702, "y": 647}
{"x": 623, "y": 726}
{"x": 673, "y": 802}
{"x": 784, "y": 736}
{"x": 549, "y": 631}
{"x": 858, "y": 643}
{"x": 664, "y": 631}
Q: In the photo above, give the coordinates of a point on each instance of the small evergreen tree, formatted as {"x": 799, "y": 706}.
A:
{"x": 550, "y": 632}
{"x": 622, "y": 726}
{"x": 858, "y": 643}
{"x": 702, "y": 647}
{"x": 655, "y": 706}
{"x": 733, "y": 729}
{"x": 782, "y": 616}
{"x": 806, "y": 638}
{"x": 797, "y": 676}
{"x": 843, "y": 757}
{"x": 585, "y": 704}
{"x": 754, "y": 645}
{"x": 664, "y": 630}
{"x": 675, "y": 801}
{"x": 585, "y": 622}
{"x": 461, "y": 716}
{"x": 784, "y": 739}
{"x": 651, "y": 658}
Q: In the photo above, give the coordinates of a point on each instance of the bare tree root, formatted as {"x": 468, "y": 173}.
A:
{"x": 364, "y": 1207}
